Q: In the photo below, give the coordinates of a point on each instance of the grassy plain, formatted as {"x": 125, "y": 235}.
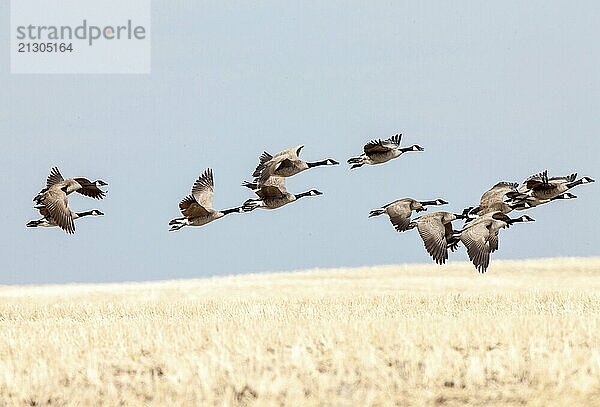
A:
{"x": 525, "y": 333}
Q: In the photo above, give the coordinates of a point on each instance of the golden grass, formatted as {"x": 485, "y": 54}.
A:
{"x": 527, "y": 332}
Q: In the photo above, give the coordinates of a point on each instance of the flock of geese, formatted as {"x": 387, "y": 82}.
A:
{"x": 479, "y": 234}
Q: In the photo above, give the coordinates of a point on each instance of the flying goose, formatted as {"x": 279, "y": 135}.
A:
{"x": 435, "y": 230}
{"x": 272, "y": 194}
{"x": 381, "y": 151}
{"x": 539, "y": 188}
{"x": 285, "y": 164}
{"x": 79, "y": 184}
{"x": 197, "y": 208}
{"x": 480, "y": 236}
{"x": 400, "y": 211}
{"x": 47, "y": 221}
{"x": 532, "y": 201}
{"x": 493, "y": 199}
{"x": 54, "y": 197}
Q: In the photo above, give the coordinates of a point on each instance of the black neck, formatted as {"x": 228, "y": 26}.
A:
{"x": 86, "y": 213}
{"x": 405, "y": 149}
{"x": 302, "y": 195}
{"x": 317, "y": 163}
{"x": 228, "y": 211}
{"x": 575, "y": 183}
{"x": 425, "y": 203}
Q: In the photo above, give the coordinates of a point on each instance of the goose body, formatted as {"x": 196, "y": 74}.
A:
{"x": 381, "y": 151}
{"x": 401, "y": 210}
{"x": 286, "y": 163}
{"x": 272, "y": 194}
{"x": 197, "y": 208}
{"x": 47, "y": 221}
{"x": 54, "y": 197}
{"x": 480, "y": 236}
{"x": 436, "y": 231}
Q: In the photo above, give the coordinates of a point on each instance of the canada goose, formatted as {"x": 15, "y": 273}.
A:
{"x": 272, "y": 194}
{"x": 400, "y": 211}
{"x": 435, "y": 229}
{"x": 47, "y": 221}
{"x": 197, "y": 208}
{"x": 532, "y": 201}
{"x": 79, "y": 184}
{"x": 54, "y": 196}
{"x": 285, "y": 164}
{"x": 480, "y": 236}
{"x": 493, "y": 199}
{"x": 539, "y": 188}
{"x": 381, "y": 151}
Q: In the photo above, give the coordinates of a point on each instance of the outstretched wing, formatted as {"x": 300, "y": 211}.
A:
{"x": 399, "y": 213}
{"x": 89, "y": 189}
{"x": 383, "y": 146}
{"x": 496, "y": 193}
{"x": 192, "y": 209}
{"x": 54, "y": 178}
{"x": 476, "y": 240}
{"x": 433, "y": 232}
{"x": 203, "y": 189}
{"x": 263, "y": 159}
{"x": 274, "y": 187}
{"x": 57, "y": 204}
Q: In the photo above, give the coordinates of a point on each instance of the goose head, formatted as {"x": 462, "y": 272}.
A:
{"x": 331, "y": 161}
{"x": 523, "y": 219}
{"x": 416, "y": 147}
{"x": 96, "y": 212}
{"x": 586, "y": 180}
{"x": 314, "y": 192}
{"x": 566, "y": 195}
{"x": 100, "y": 183}
{"x": 440, "y": 202}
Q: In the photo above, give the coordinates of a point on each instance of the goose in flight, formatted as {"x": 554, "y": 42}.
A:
{"x": 436, "y": 232}
{"x": 540, "y": 189}
{"x": 480, "y": 236}
{"x": 79, "y": 184}
{"x": 54, "y": 198}
{"x": 272, "y": 194}
{"x": 381, "y": 151}
{"x": 197, "y": 208}
{"x": 47, "y": 221}
{"x": 401, "y": 210}
{"x": 286, "y": 163}
{"x": 492, "y": 200}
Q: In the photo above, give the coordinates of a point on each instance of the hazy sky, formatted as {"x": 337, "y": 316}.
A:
{"x": 491, "y": 91}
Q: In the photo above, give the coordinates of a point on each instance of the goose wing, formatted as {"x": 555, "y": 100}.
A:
{"x": 190, "y": 208}
{"x": 203, "y": 190}
{"x": 496, "y": 193}
{"x": 433, "y": 234}
{"x": 399, "y": 213}
{"x": 263, "y": 159}
{"x": 383, "y": 146}
{"x": 476, "y": 239}
{"x": 57, "y": 205}
{"x": 274, "y": 187}
{"x": 54, "y": 178}
{"x": 89, "y": 189}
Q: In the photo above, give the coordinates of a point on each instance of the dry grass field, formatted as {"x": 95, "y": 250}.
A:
{"x": 525, "y": 333}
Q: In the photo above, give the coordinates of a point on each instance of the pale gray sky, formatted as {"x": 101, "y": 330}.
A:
{"x": 492, "y": 91}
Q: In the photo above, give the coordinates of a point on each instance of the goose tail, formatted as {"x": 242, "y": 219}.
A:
{"x": 251, "y": 204}
{"x": 177, "y": 224}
